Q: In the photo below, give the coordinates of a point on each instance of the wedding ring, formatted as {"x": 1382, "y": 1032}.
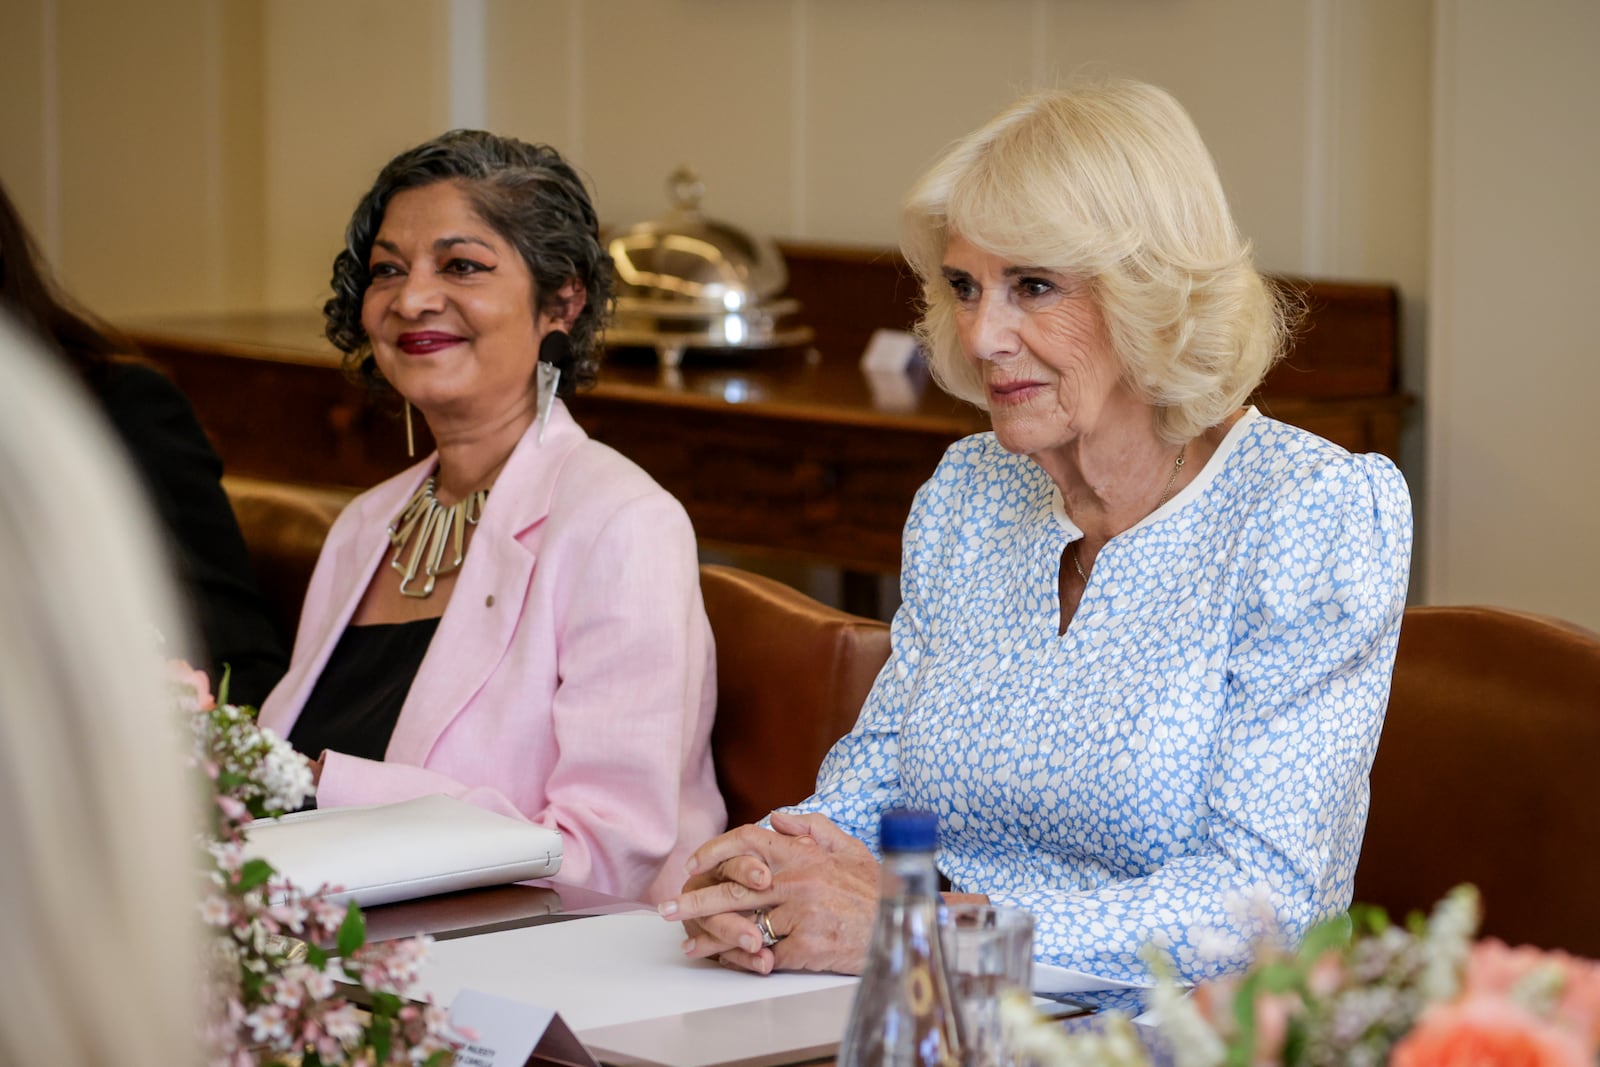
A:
{"x": 768, "y": 938}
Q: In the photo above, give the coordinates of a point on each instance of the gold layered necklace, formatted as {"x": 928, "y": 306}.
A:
{"x": 431, "y": 529}
{"x": 1166, "y": 494}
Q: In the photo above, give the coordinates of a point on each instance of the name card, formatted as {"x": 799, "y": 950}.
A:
{"x": 889, "y": 352}
{"x": 891, "y": 370}
{"x": 506, "y": 1033}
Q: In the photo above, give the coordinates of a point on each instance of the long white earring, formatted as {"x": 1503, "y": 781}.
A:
{"x": 411, "y": 441}
{"x": 554, "y": 352}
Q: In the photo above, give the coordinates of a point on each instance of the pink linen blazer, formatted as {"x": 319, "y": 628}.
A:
{"x": 571, "y": 681}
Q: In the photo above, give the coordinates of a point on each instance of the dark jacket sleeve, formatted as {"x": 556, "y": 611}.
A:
{"x": 183, "y": 476}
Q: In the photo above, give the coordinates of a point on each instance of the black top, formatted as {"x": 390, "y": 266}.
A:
{"x": 357, "y": 700}
{"x": 182, "y": 475}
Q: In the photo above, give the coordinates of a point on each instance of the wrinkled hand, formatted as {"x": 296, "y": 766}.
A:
{"x": 741, "y": 875}
{"x": 818, "y": 885}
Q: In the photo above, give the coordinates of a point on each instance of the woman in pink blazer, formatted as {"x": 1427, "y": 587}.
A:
{"x": 516, "y": 620}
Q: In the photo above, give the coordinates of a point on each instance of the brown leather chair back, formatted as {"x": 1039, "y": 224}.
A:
{"x": 284, "y": 526}
{"x": 792, "y": 674}
{"x": 1486, "y": 773}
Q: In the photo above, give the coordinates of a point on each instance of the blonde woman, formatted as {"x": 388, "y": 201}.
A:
{"x": 97, "y": 870}
{"x": 1146, "y": 635}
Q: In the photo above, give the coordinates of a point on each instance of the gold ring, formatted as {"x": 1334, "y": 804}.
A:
{"x": 764, "y": 923}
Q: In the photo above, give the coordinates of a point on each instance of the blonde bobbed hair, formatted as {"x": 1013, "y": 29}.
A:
{"x": 1109, "y": 182}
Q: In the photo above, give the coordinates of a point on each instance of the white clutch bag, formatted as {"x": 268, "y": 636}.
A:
{"x": 415, "y": 848}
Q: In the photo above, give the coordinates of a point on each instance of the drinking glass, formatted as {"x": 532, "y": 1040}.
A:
{"x": 988, "y": 950}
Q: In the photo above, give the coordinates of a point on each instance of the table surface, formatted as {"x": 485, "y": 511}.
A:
{"x": 484, "y": 911}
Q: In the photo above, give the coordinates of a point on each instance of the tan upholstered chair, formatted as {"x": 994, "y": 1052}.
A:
{"x": 284, "y": 526}
{"x": 1486, "y": 773}
{"x": 792, "y": 674}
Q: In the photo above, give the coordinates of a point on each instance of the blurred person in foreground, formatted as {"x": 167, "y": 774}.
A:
{"x": 1147, "y": 632}
{"x": 100, "y": 941}
{"x": 178, "y": 468}
{"x": 516, "y": 620}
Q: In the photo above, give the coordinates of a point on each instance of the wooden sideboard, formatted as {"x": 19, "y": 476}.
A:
{"x": 793, "y": 452}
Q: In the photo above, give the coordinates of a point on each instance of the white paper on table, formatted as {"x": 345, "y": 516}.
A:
{"x": 1048, "y": 978}
{"x": 601, "y": 971}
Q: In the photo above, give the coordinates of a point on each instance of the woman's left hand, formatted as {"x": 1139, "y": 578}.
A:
{"x": 820, "y": 904}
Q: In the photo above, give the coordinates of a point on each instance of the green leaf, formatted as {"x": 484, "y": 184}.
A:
{"x": 1241, "y": 1050}
{"x": 352, "y": 932}
{"x": 382, "y": 1031}
{"x": 253, "y": 874}
{"x": 1334, "y": 933}
{"x": 316, "y": 956}
{"x": 222, "y": 687}
{"x": 1294, "y": 1045}
{"x": 1368, "y": 919}
{"x": 439, "y": 1059}
{"x": 1279, "y": 977}
{"x": 386, "y": 1005}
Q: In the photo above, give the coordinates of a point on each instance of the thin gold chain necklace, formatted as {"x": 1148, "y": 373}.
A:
{"x": 433, "y": 527}
{"x": 1166, "y": 494}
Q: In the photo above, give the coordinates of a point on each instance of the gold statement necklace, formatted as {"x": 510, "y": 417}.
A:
{"x": 431, "y": 528}
{"x": 1166, "y": 494}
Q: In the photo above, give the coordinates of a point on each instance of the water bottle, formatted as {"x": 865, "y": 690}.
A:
{"x": 903, "y": 1014}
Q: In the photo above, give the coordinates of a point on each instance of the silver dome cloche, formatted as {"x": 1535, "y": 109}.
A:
{"x": 687, "y": 281}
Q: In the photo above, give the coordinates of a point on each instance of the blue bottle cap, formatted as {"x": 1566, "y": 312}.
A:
{"x": 901, "y": 830}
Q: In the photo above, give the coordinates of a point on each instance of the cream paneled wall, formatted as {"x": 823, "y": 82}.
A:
{"x": 27, "y": 120}
{"x": 347, "y": 85}
{"x": 811, "y": 118}
{"x": 1513, "y": 432}
{"x": 131, "y": 147}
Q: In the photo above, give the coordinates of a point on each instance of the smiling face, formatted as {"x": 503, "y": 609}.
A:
{"x": 451, "y": 309}
{"x": 1037, "y": 339}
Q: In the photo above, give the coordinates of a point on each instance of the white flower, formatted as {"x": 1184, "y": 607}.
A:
{"x": 1034, "y": 1040}
{"x": 343, "y": 1024}
{"x": 1447, "y": 943}
{"x": 285, "y": 774}
{"x": 1193, "y": 1041}
{"x": 267, "y": 1023}
{"x": 214, "y": 910}
{"x": 319, "y": 986}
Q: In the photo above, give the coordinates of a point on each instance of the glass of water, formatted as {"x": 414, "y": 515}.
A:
{"x": 988, "y": 950}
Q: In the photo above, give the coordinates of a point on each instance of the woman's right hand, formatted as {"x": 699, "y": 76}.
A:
{"x": 817, "y": 885}
{"x": 724, "y": 921}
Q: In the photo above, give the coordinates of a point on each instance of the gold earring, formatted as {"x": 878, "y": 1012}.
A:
{"x": 411, "y": 441}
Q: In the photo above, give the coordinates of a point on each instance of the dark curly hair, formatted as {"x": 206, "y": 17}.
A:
{"x": 528, "y": 194}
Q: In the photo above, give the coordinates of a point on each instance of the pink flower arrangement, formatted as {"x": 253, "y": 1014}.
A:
{"x": 1366, "y": 992}
{"x": 1518, "y": 1006}
{"x": 1484, "y": 1032}
{"x": 293, "y": 979}
{"x": 1363, "y": 992}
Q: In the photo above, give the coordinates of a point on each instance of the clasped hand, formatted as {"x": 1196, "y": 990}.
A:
{"x": 816, "y": 883}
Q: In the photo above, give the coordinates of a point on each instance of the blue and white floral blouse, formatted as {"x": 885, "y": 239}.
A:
{"x": 1196, "y": 744}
